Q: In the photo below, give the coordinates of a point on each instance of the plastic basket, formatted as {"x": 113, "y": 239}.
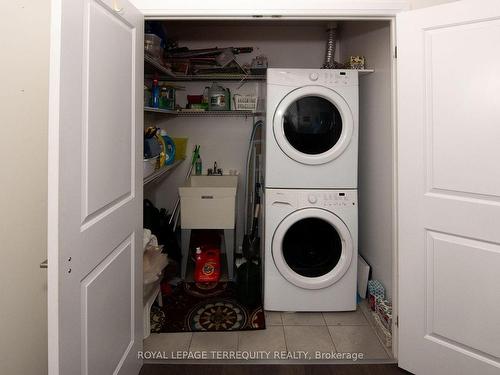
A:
{"x": 245, "y": 102}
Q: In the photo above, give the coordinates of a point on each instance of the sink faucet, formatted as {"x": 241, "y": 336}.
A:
{"x": 215, "y": 170}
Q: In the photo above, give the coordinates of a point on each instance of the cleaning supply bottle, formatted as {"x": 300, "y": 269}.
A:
{"x": 198, "y": 167}
{"x": 155, "y": 94}
{"x": 163, "y": 153}
{"x": 207, "y": 267}
{"x": 198, "y": 257}
{"x": 205, "y": 99}
{"x": 217, "y": 96}
{"x": 169, "y": 147}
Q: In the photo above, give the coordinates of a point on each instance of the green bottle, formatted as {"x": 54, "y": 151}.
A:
{"x": 198, "y": 167}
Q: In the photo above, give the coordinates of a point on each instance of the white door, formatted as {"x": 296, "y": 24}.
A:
{"x": 449, "y": 188}
{"x": 95, "y": 188}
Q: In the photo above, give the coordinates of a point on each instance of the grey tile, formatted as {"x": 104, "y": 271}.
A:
{"x": 270, "y": 339}
{"x": 273, "y": 318}
{"x": 348, "y": 318}
{"x": 214, "y": 341}
{"x": 168, "y": 342}
{"x": 302, "y": 319}
{"x": 359, "y": 339}
{"x": 309, "y": 339}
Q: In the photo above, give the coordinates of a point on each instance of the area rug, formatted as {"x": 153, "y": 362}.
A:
{"x": 197, "y": 307}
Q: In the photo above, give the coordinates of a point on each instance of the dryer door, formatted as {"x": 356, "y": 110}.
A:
{"x": 312, "y": 248}
{"x": 313, "y": 125}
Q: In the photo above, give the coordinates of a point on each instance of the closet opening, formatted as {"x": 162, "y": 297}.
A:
{"x": 216, "y": 84}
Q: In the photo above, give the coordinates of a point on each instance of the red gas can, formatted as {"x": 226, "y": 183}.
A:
{"x": 207, "y": 267}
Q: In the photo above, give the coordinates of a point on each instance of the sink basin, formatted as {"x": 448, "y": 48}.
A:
{"x": 213, "y": 181}
{"x": 208, "y": 202}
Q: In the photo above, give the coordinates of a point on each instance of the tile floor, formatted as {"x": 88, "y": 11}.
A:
{"x": 291, "y": 332}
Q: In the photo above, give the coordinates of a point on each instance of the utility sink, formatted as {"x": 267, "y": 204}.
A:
{"x": 216, "y": 182}
{"x": 208, "y": 202}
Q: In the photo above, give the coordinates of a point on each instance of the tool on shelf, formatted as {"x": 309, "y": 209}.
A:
{"x": 184, "y": 52}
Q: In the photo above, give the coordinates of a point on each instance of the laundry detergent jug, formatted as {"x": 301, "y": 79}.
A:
{"x": 218, "y": 98}
{"x": 207, "y": 268}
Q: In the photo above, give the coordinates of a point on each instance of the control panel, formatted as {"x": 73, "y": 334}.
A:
{"x": 298, "y": 198}
{"x": 326, "y": 77}
{"x": 329, "y": 199}
{"x": 332, "y": 77}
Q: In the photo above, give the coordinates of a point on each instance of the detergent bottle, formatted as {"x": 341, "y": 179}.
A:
{"x": 207, "y": 268}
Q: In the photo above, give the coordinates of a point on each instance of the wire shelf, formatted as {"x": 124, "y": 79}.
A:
{"x": 188, "y": 113}
{"x": 162, "y": 171}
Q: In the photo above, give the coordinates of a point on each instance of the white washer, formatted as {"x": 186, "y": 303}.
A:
{"x": 311, "y": 250}
{"x": 311, "y": 129}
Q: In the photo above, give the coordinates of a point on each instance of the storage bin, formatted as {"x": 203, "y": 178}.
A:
{"x": 180, "y": 148}
{"x": 245, "y": 102}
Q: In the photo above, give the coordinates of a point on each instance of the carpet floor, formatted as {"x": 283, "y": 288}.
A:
{"x": 195, "y": 307}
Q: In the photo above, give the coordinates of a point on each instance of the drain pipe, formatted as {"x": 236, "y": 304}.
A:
{"x": 330, "y": 46}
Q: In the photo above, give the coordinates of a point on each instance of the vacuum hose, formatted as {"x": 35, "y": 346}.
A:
{"x": 249, "y": 155}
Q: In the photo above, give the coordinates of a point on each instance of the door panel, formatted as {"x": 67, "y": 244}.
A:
{"x": 95, "y": 188}
{"x": 108, "y": 320}
{"x": 448, "y": 189}
{"x": 462, "y": 93}
{"x": 449, "y": 259}
{"x": 109, "y": 64}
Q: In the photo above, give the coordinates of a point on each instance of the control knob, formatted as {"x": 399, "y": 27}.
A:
{"x": 312, "y": 198}
{"x": 313, "y": 76}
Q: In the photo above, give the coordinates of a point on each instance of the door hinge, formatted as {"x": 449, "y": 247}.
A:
{"x": 395, "y": 52}
{"x": 396, "y": 323}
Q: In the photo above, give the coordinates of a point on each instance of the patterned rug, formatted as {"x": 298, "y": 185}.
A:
{"x": 194, "y": 307}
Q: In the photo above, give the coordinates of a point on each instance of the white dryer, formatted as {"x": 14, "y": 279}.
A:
{"x": 311, "y": 250}
{"x": 311, "y": 129}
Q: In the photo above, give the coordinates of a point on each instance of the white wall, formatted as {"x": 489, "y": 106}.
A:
{"x": 24, "y": 37}
{"x": 414, "y": 4}
{"x": 372, "y": 39}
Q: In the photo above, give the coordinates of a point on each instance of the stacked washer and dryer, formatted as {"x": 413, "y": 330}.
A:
{"x": 310, "y": 198}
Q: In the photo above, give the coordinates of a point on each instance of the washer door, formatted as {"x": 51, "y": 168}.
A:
{"x": 312, "y": 248}
{"x": 313, "y": 125}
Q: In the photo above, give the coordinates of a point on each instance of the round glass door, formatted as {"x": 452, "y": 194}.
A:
{"x": 313, "y": 125}
{"x": 312, "y": 248}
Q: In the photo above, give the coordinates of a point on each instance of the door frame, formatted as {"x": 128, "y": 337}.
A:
{"x": 318, "y": 10}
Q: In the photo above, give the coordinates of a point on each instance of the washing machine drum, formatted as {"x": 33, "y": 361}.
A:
{"x": 312, "y": 248}
{"x": 313, "y": 125}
